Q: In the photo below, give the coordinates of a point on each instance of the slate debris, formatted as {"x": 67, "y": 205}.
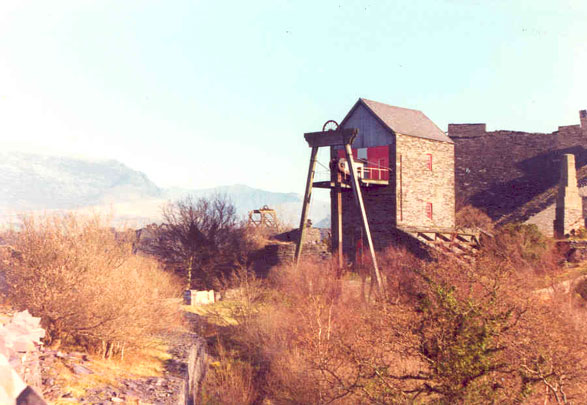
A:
{"x": 165, "y": 390}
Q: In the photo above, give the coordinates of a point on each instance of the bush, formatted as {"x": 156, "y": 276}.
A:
{"x": 82, "y": 279}
{"x": 526, "y": 248}
{"x": 202, "y": 240}
{"x": 448, "y": 333}
{"x": 229, "y": 380}
{"x": 581, "y": 289}
{"x": 470, "y": 217}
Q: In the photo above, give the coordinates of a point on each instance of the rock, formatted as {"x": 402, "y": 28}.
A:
{"x": 116, "y": 399}
{"x": 577, "y": 255}
{"x": 81, "y": 370}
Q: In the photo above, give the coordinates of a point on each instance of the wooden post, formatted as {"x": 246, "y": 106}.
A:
{"x": 336, "y": 210}
{"x": 306, "y": 204}
{"x": 338, "y": 191}
{"x": 359, "y": 199}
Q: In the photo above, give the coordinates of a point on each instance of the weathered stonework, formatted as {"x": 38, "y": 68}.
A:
{"x": 420, "y": 192}
{"x": 502, "y": 170}
{"x": 381, "y": 215}
{"x": 569, "y": 205}
{"x": 425, "y": 175}
{"x": 282, "y": 254}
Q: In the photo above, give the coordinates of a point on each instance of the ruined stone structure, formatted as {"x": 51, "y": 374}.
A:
{"x": 407, "y": 175}
{"x": 280, "y": 250}
{"x": 411, "y": 173}
{"x": 569, "y": 205}
{"x": 502, "y": 170}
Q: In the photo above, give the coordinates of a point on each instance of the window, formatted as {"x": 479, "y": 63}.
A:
{"x": 429, "y": 210}
{"x": 429, "y": 155}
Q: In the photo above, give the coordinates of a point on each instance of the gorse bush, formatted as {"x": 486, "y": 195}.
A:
{"x": 82, "y": 279}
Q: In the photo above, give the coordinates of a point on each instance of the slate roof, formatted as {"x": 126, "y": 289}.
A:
{"x": 402, "y": 120}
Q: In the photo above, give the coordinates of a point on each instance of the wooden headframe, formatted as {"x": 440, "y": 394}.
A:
{"x": 340, "y": 137}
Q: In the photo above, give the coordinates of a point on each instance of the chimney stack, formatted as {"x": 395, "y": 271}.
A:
{"x": 569, "y": 204}
{"x": 583, "y": 117}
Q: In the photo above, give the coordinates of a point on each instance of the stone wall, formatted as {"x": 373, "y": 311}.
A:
{"x": 420, "y": 186}
{"x": 425, "y": 177}
{"x": 20, "y": 342}
{"x": 282, "y": 254}
{"x": 502, "y": 170}
{"x": 381, "y": 214}
{"x": 380, "y": 201}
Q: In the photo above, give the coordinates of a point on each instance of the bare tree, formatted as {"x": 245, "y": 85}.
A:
{"x": 200, "y": 239}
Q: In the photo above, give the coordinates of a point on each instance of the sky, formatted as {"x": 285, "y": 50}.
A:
{"x": 197, "y": 94}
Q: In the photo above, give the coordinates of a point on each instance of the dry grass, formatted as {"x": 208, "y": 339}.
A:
{"x": 229, "y": 380}
{"x": 446, "y": 333}
{"x": 90, "y": 291}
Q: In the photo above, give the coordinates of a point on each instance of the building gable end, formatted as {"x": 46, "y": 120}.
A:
{"x": 372, "y": 130}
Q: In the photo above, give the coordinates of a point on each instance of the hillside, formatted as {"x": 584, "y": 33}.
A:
{"x": 33, "y": 182}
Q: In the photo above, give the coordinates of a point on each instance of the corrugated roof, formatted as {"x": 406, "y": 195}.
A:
{"x": 404, "y": 120}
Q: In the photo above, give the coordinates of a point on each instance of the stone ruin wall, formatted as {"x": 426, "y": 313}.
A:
{"x": 280, "y": 251}
{"x": 501, "y": 170}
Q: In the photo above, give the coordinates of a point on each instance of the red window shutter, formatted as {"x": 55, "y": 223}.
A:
{"x": 429, "y": 161}
{"x": 429, "y": 210}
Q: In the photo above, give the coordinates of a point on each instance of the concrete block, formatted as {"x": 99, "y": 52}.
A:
{"x": 195, "y": 297}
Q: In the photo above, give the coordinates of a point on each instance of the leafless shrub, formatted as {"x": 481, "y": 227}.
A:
{"x": 449, "y": 333}
{"x": 81, "y": 278}
{"x": 524, "y": 247}
{"x": 469, "y": 217}
{"x": 202, "y": 240}
{"x": 229, "y": 380}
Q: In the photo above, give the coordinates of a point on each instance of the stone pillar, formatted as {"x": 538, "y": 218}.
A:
{"x": 583, "y": 118}
{"x": 569, "y": 205}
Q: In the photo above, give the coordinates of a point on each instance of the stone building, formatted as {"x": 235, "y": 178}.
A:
{"x": 500, "y": 171}
{"x": 406, "y": 174}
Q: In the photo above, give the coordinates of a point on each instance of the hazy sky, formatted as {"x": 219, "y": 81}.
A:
{"x": 204, "y": 93}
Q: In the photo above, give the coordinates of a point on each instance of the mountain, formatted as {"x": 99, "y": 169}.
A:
{"x": 244, "y": 197}
{"x": 287, "y": 205}
{"x": 32, "y": 182}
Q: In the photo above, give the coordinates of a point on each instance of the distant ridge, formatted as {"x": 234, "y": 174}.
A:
{"x": 245, "y": 198}
{"x": 34, "y": 182}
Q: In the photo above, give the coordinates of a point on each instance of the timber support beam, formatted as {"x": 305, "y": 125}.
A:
{"x": 339, "y": 137}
